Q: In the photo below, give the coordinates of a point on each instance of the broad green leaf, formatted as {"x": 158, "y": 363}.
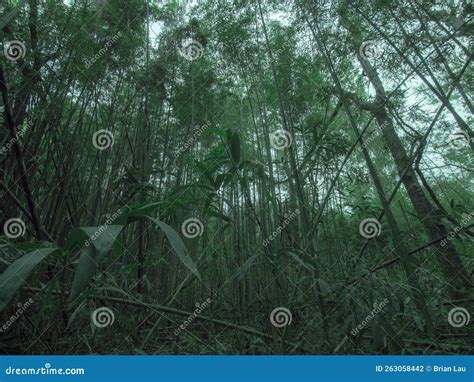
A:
{"x": 101, "y": 240}
{"x": 75, "y": 239}
{"x": 178, "y": 246}
{"x": 16, "y": 274}
{"x": 138, "y": 213}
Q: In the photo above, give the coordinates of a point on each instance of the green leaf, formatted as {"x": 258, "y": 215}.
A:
{"x": 16, "y": 274}
{"x": 102, "y": 238}
{"x": 216, "y": 132}
{"x": 244, "y": 269}
{"x": 138, "y": 213}
{"x": 272, "y": 200}
{"x": 324, "y": 286}
{"x": 178, "y": 246}
{"x": 205, "y": 171}
{"x": 300, "y": 261}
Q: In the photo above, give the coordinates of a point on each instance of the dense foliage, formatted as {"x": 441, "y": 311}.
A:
{"x": 236, "y": 177}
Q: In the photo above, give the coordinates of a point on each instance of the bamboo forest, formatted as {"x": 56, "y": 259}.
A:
{"x": 236, "y": 177}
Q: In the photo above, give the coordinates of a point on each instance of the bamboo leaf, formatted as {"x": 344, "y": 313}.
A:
{"x": 178, "y": 246}
{"x": 101, "y": 240}
{"x": 16, "y": 274}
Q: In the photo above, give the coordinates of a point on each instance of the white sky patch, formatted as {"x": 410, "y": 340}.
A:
{"x": 155, "y": 30}
{"x": 282, "y": 17}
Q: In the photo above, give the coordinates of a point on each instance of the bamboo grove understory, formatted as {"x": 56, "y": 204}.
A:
{"x": 236, "y": 177}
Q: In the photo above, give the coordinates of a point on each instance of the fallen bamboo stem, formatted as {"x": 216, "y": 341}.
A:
{"x": 178, "y": 312}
